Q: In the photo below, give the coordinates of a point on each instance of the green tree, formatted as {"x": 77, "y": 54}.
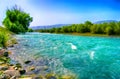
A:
{"x": 88, "y": 25}
{"x": 109, "y": 30}
{"x": 17, "y": 20}
{"x": 93, "y": 28}
{"x": 30, "y": 30}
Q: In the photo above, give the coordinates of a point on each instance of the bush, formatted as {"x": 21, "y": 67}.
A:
{"x": 30, "y": 30}
{"x": 17, "y": 20}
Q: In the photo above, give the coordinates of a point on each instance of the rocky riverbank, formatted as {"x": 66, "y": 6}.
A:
{"x": 16, "y": 71}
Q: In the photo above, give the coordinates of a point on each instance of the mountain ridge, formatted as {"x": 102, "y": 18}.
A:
{"x": 105, "y": 21}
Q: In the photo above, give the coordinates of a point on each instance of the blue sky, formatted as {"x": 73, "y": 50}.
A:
{"x": 48, "y": 12}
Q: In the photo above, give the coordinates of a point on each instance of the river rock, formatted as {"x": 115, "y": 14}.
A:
{"x": 51, "y": 76}
{"x": 4, "y": 76}
{"x": 36, "y": 77}
{"x": 1, "y": 62}
{"x": 4, "y": 60}
{"x": 2, "y": 52}
{"x": 12, "y": 73}
{"x": 11, "y": 68}
{"x": 45, "y": 67}
{"x": 18, "y": 65}
{"x": 3, "y": 67}
{"x": 22, "y": 71}
{"x": 27, "y": 62}
{"x": 10, "y": 45}
{"x": 66, "y": 77}
{"x": 26, "y": 78}
{"x": 32, "y": 68}
{"x": 13, "y": 77}
{"x": 6, "y": 54}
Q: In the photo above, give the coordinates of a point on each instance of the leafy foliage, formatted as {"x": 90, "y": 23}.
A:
{"x": 112, "y": 28}
{"x": 30, "y": 30}
{"x": 17, "y": 20}
{"x": 4, "y": 37}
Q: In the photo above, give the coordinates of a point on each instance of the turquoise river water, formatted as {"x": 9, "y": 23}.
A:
{"x": 85, "y": 57}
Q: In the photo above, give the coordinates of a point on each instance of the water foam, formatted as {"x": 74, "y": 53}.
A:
{"x": 72, "y": 46}
{"x": 92, "y": 55}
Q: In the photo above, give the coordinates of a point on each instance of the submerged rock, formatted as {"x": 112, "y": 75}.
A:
{"x": 32, "y": 68}
{"x": 22, "y": 71}
{"x": 51, "y": 76}
{"x": 18, "y": 65}
{"x": 26, "y": 78}
{"x": 27, "y": 62}
{"x": 67, "y": 77}
{"x": 2, "y": 52}
{"x": 45, "y": 67}
{"x": 36, "y": 77}
{"x": 6, "y": 54}
{"x": 4, "y": 76}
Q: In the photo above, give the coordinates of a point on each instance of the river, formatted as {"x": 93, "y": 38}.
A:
{"x": 86, "y": 57}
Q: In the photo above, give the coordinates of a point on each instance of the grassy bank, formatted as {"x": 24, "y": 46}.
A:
{"x": 6, "y": 38}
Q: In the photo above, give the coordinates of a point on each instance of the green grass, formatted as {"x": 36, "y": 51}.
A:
{"x": 5, "y": 36}
{"x": 2, "y": 29}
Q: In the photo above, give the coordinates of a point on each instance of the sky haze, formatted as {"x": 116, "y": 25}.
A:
{"x": 48, "y": 12}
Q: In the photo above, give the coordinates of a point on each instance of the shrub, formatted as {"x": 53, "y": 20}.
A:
{"x": 17, "y": 20}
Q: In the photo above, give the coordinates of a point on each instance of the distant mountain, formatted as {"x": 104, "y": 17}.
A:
{"x": 107, "y": 21}
{"x": 48, "y": 26}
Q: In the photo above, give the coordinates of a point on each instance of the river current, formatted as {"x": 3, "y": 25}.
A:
{"x": 86, "y": 57}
